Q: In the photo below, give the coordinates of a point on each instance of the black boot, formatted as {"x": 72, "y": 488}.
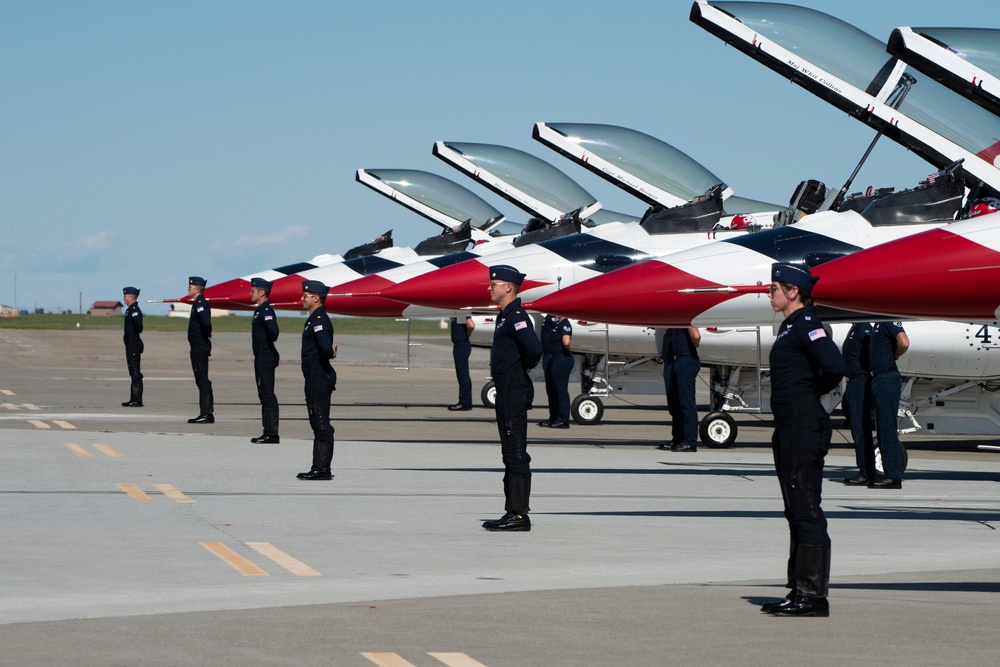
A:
{"x": 812, "y": 583}
{"x": 520, "y": 493}
{"x": 270, "y": 435}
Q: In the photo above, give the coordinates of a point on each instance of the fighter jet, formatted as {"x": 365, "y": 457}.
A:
{"x": 951, "y": 272}
{"x": 966, "y": 60}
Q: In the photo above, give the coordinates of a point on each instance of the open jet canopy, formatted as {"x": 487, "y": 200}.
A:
{"x": 436, "y": 198}
{"x": 851, "y": 70}
{"x": 526, "y": 181}
{"x": 967, "y": 60}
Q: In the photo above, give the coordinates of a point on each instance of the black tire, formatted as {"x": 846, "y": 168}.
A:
{"x": 587, "y": 410}
{"x": 489, "y": 395}
{"x": 904, "y": 459}
{"x": 718, "y": 430}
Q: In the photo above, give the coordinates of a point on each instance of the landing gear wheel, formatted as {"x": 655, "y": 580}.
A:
{"x": 489, "y": 395}
{"x": 718, "y": 430}
{"x": 586, "y": 409}
{"x": 904, "y": 459}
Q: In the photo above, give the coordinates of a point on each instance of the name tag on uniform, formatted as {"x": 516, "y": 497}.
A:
{"x": 520, "y": 325}
{"x": 816, "y": 334}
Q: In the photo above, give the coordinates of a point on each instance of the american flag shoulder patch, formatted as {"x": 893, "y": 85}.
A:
{"x": 318, "y": 327}
{"x": 816, "y": 334}
{"x": 268, "y": 317}
{"x": 520, "y": 325}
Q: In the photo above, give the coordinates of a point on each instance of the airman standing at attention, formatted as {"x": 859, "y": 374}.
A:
{"x": 805, "y": 364}
{"x": 516, "y": 350}
{"x": 133, "y": 345}
{"x": 200, "y": 340}
{"x": 318, "y": 349}
{"x": 263, "y": 333}
{"x": 557, "y": 364}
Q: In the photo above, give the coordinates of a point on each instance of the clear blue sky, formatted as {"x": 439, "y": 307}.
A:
{"x": 143, "y": 142}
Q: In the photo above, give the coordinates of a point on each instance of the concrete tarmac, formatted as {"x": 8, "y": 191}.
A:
{"x": 131, "y": 537}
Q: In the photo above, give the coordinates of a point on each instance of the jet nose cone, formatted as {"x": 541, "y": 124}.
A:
{"x": 646, "y": 294}
{"x": 287, "y": 291}
{"x": 457, "y": 286}
{"x": 364, "y": 306}
{"x": 230, "y": 294}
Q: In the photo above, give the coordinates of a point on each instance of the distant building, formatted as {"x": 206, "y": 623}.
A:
{"x": 105, "y": 308}
{"x": 8, "y": 311}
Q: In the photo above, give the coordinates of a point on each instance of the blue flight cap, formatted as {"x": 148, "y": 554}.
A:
{"x": 507, "y": 274}
{"x": 315, "y": 287}
{"x": 261, "y": 283}
{"x": 134, "y": 291}
{"x": 793, "y": 274}
{"x": 197, "y": 281}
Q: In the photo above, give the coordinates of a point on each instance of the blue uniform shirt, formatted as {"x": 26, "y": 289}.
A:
{"x": 804, "y": 359}
{"x": 856, "y": 348}
{"x": 677, "y": 343}
{"x": 263, "y": 333}
{"x": 553, "y": 330}
{"x": 133, "y": 325}
{"x": 515, "y": 346}
{"x": 200, "y": 323}
{"x": 459, "y": 332}
{"x": 317, "y": 341}
{"x": 882, "y": 350}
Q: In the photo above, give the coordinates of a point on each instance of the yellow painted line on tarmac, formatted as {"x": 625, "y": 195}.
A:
{"x": 293, "y": 565}
{"x": 135, "y": 492}
{"x": 7, "y": 392}
{"x": 456, "y": 660}
{"x": 230, "y": 557}
{"x": 10, "y": 406}
{"x": 31, "y": 406}
{"x": 170, "y": 492}
{"x": 108, "y": 451}
{"x": 77, "y": 449}
{"x": 64, "y": 424}
{"x": 38, "y": 424}
{"x": 383, "y": 659}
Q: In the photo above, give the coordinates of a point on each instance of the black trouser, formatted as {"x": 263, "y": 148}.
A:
{"x": 557, "y": 369}
{"x": 199, "y": 364}
{"x": 460, "y": 352}
{"x": 801, "y": 439}
{"x": 133, "y": 358}
{"x": 858, "y": 406}
{"x": 263, "y": 370}
{"x": 512, "y": 424}
{"x": 680, "y": 377}
{"x": 319, "y": 385}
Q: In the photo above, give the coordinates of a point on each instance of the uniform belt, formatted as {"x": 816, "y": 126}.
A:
{"x": 884, "y": 370}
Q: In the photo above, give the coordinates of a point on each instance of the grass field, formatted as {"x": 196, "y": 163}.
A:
{"x": 375, "y": 326}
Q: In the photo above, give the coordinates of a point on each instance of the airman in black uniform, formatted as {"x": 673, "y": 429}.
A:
{"x": 516, "y": 350}
{"x": 133, "y": 345}
{"x": 200, "y": 339}
{"x": 681, "y": 365}
{"x": 889, "y": 342}
{"x": 805, "y": 364}
{"x": 318, "y": 349}
{"x": 461, "y": 348}
{"x": 557, "y": 364}
{"x": 263, "y": 333}
{"x": 857, "y": 402}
